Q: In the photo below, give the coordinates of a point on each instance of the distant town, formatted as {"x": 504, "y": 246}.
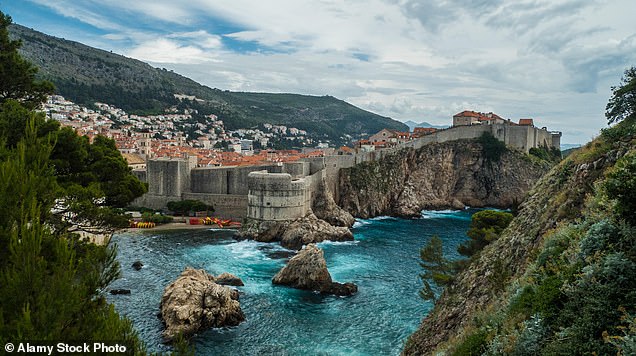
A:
{"x": 177, "y": 133}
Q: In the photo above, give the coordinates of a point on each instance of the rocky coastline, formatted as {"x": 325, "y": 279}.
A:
{"x": 450, "y": 175}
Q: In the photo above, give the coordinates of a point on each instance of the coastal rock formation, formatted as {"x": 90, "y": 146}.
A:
{"x": 228, "y": 279}
{"x": 195, "y": 302}
{"x": 325, "y": 208}
{"x": 558, "y": 199}
{"x": 308, "y": 270}
{"x": 437, "y": 176}
{"x": 295, "y": 233}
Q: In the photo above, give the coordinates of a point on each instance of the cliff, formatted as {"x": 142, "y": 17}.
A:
{"x": 438, "y": 176}
{"x": 562, "y": 277}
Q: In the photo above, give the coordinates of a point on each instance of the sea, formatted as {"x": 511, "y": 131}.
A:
{"x": 383, "y": 261}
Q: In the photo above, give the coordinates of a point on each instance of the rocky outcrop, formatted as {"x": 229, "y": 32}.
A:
{"x": 308, "y": 270}
{"x": 137, "y": 265}
{"x": 293, "y": 234}
{"x": 325, "y": 208}
{"x": 228, "y": 279}
{"x": 556, "y": 200}
{"x": 437, "y": 176}
{"x": 195, "y": 302}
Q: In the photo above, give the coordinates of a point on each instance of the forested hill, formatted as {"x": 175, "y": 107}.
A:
{"x": 84, "y": 75}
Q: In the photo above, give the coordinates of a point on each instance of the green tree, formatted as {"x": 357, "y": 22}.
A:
{"x": 17, "y": 76}
{"x": 485, "y": 227}
{"x": 437, "y": 268}
{"x": 622, "y": 104}
{"x": 184, "y": 207}
{"x": 51, "y": 284}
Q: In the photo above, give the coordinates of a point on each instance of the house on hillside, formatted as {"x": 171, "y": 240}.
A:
{"x": 384, "y": 135}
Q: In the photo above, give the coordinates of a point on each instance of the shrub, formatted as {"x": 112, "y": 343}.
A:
{"x": 184, "y": 207}
{"x": 155, "y": 218}
{"x": 621, "y": 186}
{"x": 485, "y": 227}
{"x": 474, "y": 344}
{"x": 598, "y": 237}
{"x": 550, "y": 154}
{"x": 493, "y": 149}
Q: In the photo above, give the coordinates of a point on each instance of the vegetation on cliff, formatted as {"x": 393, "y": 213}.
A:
{"x": 569, "y": 259}
{"x": 51, "y": 283}
{"x": 86, "y": 75}
{"x": 485, "y": 227}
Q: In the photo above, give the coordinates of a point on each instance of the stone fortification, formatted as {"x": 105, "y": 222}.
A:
{"x": 227, "y": 188}
{"x": 522, "y": 138}
{"x": 276, "y": 197}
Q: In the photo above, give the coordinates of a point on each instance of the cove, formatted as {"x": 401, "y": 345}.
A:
{"x": 383, "y": 261}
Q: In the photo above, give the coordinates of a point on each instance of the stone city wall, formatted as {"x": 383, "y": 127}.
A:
{"x": 227, "y": 188}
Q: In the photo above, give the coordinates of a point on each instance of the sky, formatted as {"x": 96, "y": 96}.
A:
{"x": 551, "y": 60}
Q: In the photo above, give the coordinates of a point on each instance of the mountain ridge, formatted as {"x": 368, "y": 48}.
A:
{"x": 85, "y": 75}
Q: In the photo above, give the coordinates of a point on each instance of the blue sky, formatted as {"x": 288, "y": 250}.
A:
{"x": 552, "y": 60}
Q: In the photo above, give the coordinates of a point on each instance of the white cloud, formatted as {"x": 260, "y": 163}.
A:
{"x": 168, "y": 51}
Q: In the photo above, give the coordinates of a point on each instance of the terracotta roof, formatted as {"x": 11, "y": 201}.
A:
{"x": 133, "y": 158}
{"x": 526, "y": 122}
{"x": 468, "y": 113}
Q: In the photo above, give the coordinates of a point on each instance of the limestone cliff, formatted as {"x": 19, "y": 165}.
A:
{"x": 514, "y": 296}
{"x": 437, "y": 176}
{"x": 325, "y": 208}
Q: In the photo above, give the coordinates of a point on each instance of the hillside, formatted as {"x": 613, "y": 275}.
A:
{"x": 85, "y": 75}
{"x": 561, "y": 280}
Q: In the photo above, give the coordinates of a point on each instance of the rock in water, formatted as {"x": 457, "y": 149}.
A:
{"x": 228, "y": 279}
{"x": 137, "y": 265}
{"x": 308, "y": 270}
{"x": 310, "y": 229}
{"x": 295, "y": 233}
{"x": 195, "y": 302}
{"x": 119, "y": 291}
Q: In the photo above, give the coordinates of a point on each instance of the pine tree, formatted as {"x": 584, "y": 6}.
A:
{"x": 17, "y": 76}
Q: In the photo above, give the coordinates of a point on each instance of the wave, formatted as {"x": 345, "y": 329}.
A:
{"x": 360, "y": 223}
{"x": 337, "y": 243}
{"x": 445, "y": 214}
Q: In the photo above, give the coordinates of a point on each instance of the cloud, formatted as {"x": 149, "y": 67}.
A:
{"x": 168, "y": 51}
{"x": 553, "y": 60}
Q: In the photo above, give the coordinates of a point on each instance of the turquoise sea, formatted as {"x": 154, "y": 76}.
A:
{"x": 383, "y": 261}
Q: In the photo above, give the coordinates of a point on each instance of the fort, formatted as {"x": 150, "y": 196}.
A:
{"x": 283, "y": 191}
